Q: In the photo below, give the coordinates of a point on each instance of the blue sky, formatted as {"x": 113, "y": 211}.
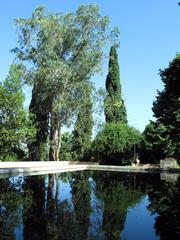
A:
{"x": 149, "y": 39}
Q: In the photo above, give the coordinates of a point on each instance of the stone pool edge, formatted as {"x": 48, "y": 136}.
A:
{"x": 35, "y": 168}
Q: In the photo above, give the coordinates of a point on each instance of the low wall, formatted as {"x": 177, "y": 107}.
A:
{"x": 37, "y": 168}
{"x": 44, "y": 167}
{"x": 35, "y": 164}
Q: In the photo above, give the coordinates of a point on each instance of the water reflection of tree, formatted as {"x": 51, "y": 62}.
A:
{"x": 116, "y": 197}
{"x": 34, "y": 217}
{"x": 12, "y": 201}
{"x": 46, "y": 216}
{"x": 50, "y": 218}
{"x": 81, "y": 192}
{"x": 165, "y": 201}
{"x": 60, "y": 215}
{"x": 69, "y": 219}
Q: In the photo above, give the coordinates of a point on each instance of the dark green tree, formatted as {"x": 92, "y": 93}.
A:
{"x": 162, "y": 136}
{"x": 166, "y": 107}
{"x": 156, "y": 143}
{"x": 66, "y": 147}
{"x": 115, "y": 110}
{"x": 83, "y": 128}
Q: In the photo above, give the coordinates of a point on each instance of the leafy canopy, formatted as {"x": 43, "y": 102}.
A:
{"x": 15, "y": 125}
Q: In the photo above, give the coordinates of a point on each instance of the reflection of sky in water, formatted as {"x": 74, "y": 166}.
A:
{"x": 139, "y": 223}
{"x": 65, "y": 191}
{"x": 19, "y": 232}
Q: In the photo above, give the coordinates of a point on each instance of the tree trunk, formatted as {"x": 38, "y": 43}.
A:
{"x": 55, "y": 137}
{"x": 58, "y": 142}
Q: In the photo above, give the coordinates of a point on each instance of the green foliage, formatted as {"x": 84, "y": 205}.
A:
{"x": 11, "y": 156}
{"x": 66, "y": 147}
{"x": 156, "y": 143}
{"x": 166, "y": 108}
{"x": 162, "y": 138}
{"x": 16, "y": 126}
{"x": 12, "y": 201}
{"x": 115, "y": 110}
{"x": 116, "y": 143}
{"x": 83, "y": 128}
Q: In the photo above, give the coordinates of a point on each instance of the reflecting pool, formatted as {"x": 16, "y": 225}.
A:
{"x": 90, "y": 205}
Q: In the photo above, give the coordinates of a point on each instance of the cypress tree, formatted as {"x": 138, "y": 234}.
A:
{"x": 115, "y": 110}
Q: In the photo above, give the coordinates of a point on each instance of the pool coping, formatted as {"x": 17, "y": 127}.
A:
{"x": 38, "y": 168}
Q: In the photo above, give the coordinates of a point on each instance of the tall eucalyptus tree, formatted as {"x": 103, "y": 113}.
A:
{"x": 60, "y": 53}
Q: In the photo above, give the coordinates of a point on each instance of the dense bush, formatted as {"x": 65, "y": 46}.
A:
{"x": 116, "y": 144}
{"x": 156, "y": 143}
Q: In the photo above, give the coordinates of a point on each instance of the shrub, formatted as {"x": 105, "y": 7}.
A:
{"x": 116, "y": 143}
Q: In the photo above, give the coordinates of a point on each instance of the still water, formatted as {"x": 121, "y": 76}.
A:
{"x": 90, "y": 205}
